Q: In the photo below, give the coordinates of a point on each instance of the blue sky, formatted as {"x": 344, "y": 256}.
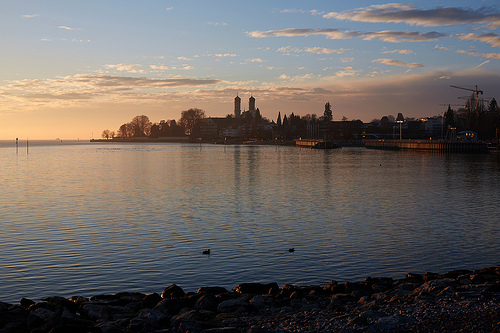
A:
{"x": 71, "y": 69}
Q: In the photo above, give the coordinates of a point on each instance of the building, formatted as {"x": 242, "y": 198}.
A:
{"x": 237, "y": 106}
{"x": 243, "y": 124}
{"x": 433, "y": 126}
{"x": 251, "y": 106}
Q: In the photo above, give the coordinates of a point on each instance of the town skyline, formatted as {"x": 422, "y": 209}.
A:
{"x": 71, "y": 69}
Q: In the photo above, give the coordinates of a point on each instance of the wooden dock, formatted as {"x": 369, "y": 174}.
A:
{"x": 431, "y": 145}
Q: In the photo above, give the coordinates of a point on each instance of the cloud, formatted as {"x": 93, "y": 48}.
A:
{"x": 393, "y": 62}
{"x": 217, "y": 23}
{"x": 489, "y": 38}
{"x": 55, "y": 96}
{"x": 30, "y": 15}
{"x": 127, "y": 68}
{"x": 293, "y": 32}
{"x": 120, "y": 81}
{"x": 347, "y": 59}
{"x": 316, "y": 50}
{"x": 301, "y": 11}
{"x": 347, "y": 72}
{"x": 316, "y": 12}
{"x": 322, "y": 50}
{"x": 64, "y": 27}
{"x": 437, "y": 47}
{"x": 170, "y": 8}
{"x": 403, "y": 36}
{"x": 484, "y": 55}
{"x": 220, "y": 55}
{"x": 409, "y": 14}
{"x": 297, "y": 78}
{"x": 84, "y": 87}
{"x": 293, "y": 10}
{"x": 399, "y": 51}
{"x": 165, "y": 68}
{"x": 161, "y": 67}
{"x": 387, "y": 36}
{"x": 256, "y": 60}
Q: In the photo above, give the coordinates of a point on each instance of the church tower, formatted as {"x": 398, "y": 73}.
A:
{"x": 237, "y": 106}
{"x": 251, "y": 104}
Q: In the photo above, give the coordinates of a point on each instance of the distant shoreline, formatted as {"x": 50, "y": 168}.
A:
{"x": 351, "y": 143}
{"x": 192, "y": 141}
{"x": 143, "y": 139}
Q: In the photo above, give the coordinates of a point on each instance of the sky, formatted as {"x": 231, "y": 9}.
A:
{"x": 71, "y": 69}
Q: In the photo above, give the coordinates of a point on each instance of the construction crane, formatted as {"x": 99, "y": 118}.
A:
{"x": 476, "y": 95}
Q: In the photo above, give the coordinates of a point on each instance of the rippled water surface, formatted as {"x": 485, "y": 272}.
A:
{"x": 85, "y": 219}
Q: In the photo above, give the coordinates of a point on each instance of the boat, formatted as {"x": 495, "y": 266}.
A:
{"x": 316, "y": 143}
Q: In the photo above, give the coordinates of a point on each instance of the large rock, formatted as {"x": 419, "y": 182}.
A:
{"x": 92, "y": 311}
{"x": 261, "y": 302}
{"x": 233, "y": 305}
{"x": 206, "y": 302}
{"x": 192, "y": 321}
{"x": 148, "y": 320}
{"x": 173, "y": 291}
{"x": 256, "y": 288}
{"x": 169, "y": 307}
{"x": 212, "y": 290}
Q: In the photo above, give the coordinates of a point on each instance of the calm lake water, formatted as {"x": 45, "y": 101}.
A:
{"x": 85, "y": 219}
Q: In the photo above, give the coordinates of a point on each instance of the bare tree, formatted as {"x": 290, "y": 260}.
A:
{"x": 106, "y": 134}
{"x": 141, "y": 126}
{"x": 190, "y": 119}
{"x": 125, "y": 130}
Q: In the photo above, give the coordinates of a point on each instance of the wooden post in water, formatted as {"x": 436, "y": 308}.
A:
{"x": 17, "y": 145}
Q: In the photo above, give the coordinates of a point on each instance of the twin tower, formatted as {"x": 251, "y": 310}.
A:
{"x": 237, "y": 106}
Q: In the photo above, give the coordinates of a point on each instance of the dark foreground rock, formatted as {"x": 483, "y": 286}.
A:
{"x": 458, "y": 301}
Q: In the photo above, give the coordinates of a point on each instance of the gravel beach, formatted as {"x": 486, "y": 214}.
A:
{"x": 456, "y": 301}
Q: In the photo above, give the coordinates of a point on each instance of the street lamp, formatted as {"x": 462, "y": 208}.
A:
{"x": 400, "y": 122}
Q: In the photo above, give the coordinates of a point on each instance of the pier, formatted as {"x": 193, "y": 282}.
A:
{"x": 432, "y": 145}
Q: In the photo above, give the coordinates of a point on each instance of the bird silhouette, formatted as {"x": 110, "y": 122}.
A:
{"x": 206, "y": 251}
{"x": 291, "y": 250}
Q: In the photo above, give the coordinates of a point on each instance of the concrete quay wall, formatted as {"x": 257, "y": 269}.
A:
{"x": 434, "y": 145}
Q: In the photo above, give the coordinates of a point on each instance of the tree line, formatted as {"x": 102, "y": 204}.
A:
{"x": 484, "y": 119}
{"x": 141, "y": 126}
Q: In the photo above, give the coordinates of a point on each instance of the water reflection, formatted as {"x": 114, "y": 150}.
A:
{"x": 96, "y": 219}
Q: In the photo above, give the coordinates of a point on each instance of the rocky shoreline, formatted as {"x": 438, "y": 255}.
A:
{"x": 457, "y": 301}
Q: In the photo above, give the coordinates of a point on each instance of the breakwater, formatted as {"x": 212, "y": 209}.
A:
{"x": 460, "y": 300}
{"x": 432, "y": 145}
